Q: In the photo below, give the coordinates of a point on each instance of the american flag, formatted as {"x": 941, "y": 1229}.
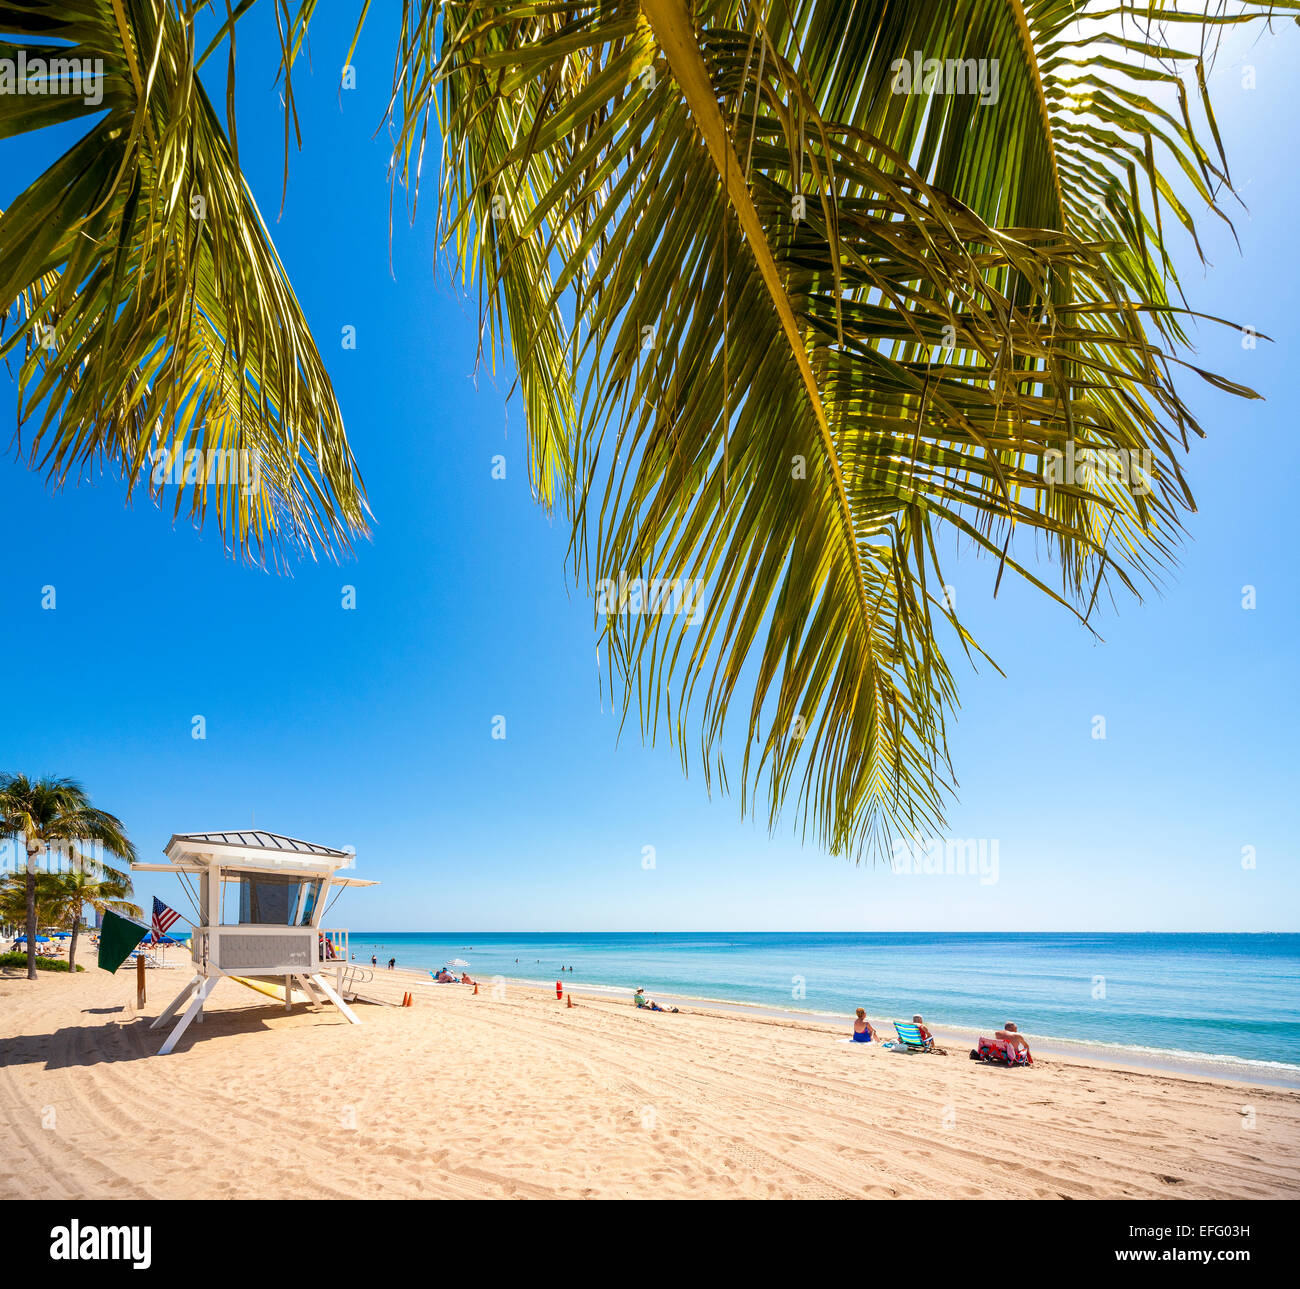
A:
{"x": 163, "y": 919}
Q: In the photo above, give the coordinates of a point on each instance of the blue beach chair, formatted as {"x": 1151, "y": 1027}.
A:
{"x": 909, "y": 1037}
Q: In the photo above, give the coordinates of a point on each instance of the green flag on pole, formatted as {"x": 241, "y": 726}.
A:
{"x": 117, "y": 937}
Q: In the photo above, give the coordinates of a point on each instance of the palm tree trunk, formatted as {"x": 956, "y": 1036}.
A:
{"x": 31, "y": 913}
{"x": 72, "y": 944}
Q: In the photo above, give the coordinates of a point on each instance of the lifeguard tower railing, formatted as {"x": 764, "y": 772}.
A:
{"x": 339, "y": 945}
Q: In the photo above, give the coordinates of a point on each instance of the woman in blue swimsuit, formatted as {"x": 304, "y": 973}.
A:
{"x": 862, "y": 1030}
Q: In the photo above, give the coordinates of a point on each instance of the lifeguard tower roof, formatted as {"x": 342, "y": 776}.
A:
{"x": 248, "y": 849}
{"x": 253, "y": 840}
{"x": 254, "y": 849}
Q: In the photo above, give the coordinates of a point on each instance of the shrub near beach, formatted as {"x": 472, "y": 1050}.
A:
{"x": 42, "y": 964}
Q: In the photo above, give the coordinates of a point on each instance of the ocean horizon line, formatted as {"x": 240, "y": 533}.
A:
{"x": 368, "y": 931}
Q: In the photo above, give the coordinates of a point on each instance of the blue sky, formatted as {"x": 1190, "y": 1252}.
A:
{"x": 371, "y": 727}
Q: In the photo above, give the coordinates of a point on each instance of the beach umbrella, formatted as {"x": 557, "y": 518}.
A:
{"x": 458, "y": 962}
{"x": 40, "y": 939}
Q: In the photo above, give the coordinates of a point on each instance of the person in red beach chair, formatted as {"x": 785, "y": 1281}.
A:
{"x": 1007, "y": 1047}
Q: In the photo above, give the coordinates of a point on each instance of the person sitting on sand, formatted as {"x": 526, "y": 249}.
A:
{"x": 863, "y": 1030}
{"x": 1015, "y": 1040}
{"x": 649, "y": 1004}
{"x": 464, "y": 978}
{"x": 444, "y": 977}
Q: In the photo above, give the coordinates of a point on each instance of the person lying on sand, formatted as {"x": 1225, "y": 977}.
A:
{"x": 863, "y": 1030}
{"x": 1014, "y": 1039}
{"x": 464, "y": 978}
{"x": 649, "y": 1004}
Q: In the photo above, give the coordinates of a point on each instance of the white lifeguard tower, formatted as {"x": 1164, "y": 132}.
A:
{"x": 260, "y": 898}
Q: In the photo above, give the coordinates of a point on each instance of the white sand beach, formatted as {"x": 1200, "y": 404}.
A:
{"x": 464, "y": 1096}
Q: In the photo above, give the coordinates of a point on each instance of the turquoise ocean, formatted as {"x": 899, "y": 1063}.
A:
{"x": 1227, "y": 1004}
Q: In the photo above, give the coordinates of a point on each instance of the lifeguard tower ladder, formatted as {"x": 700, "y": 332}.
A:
{"x": 261, "y": 897}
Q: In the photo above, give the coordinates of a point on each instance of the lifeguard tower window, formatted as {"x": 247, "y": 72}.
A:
{"x": 277, "y": 901}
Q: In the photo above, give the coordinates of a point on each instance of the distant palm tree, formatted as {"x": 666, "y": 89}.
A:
{"x": 13, "y": 900}
{"x": 800, "y": 294}
{"x": 89, "y": 883}
{"x": 44, "y": 814}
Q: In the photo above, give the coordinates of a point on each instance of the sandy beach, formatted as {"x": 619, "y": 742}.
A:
{"x": 518, "y": 1096}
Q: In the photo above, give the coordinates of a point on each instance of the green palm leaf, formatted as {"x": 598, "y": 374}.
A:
{"x": 816, "y": 327}
{"x": 151, "y": 318}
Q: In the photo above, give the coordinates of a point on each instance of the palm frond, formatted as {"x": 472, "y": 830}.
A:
{"x": 816, "y": 326}
{"x": 153, "y": 324}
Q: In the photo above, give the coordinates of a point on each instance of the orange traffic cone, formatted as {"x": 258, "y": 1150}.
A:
{"x": 476, "y": 989}
{"x": 569, "y": 997}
